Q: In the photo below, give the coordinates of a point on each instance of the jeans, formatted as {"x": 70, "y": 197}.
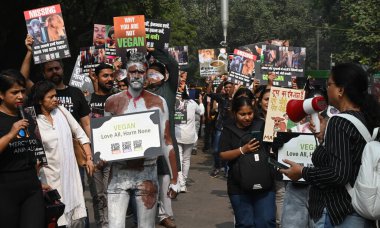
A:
{"x": 184, "y": 155}
{"x": 165, "y": 203}
{"x": 353, "y": 220}
{"x": 280, "y": 191}
{"x": 295, "y": 210}
{"x": 254, "y": 210}
{"x": 98, "y": 188}
{"x": 216, "y": 150}
{"x": 124, "y": 183}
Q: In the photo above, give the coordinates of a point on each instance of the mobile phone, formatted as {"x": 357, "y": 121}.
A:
{"x": 277, "y": 164}
{"x": 258, "y": 135}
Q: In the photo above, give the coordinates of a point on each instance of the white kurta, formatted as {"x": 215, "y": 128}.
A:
{"x": 72, "y": 191}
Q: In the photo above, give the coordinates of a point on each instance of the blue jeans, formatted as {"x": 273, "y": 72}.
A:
{"x": 353, "y": 220}
{"x": 216, "y": 149}
{"x": 254, "y": 210}
{"x": 295, "y": 210}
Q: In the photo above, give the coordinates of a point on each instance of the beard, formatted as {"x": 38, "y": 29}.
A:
{"x": 105, "y": 87}
{"x": 56, "y": 79}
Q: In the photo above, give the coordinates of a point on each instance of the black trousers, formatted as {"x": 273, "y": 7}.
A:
{"x": 21, "y": 200}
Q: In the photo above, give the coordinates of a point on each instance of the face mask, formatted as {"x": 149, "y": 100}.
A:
{"x": 156, "y": 76}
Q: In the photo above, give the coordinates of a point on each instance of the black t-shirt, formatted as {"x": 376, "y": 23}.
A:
{"x": 97, "y": 105}
{"x": 229, "y": 141}
{"x": 74, "y": 101}
{"x": 20, "y": 153}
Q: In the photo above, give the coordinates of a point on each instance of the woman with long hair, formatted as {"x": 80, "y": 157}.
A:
{"x": 250, "y": 179}
{"x": 337, "y": 160}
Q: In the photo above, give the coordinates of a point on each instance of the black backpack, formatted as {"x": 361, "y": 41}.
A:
{"x": 252, "y": 171}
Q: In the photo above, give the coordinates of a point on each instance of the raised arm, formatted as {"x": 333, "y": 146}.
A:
{"x": 171, "y": 65}
{"x": 25, "y": 67}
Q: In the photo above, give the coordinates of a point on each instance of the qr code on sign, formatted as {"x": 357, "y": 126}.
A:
{"x": 127, "y": 147}
{"x": 115, "y": 148}
{"x": 137, "y": 145}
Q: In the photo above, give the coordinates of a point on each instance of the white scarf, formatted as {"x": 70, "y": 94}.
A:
{"x": 72, "y": 191}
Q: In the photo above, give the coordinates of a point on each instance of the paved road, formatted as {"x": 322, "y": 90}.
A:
{"x": 205, "y": 205}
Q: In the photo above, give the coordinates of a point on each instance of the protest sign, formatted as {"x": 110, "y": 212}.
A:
{"x": 99, "y": 36}
{"x": 180, "y": 113}
{"x": 47, "y": 28}
{"x": 299, "y": 147}
{"x": 35, "y": 145}
{"x": 212, "y": 62}
{"x": 127, "y": 136}
{"x": 81, "y": 80}
{"x": 242, "y": 67}
{"x": 276, "y": 119}
{"x": 110, "y": 44}
{"x": 157, "y": 33}
{"x": 180, "y": 54}
{"x": 91, "y": 57}
{"x": 281, "y": 64}
{"x": 130, "y": 35}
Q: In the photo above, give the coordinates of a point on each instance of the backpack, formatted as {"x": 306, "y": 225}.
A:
{"x": 252, "y": 171}
{"x": 365, "y": 195}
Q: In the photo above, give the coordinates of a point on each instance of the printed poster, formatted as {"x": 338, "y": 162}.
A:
{"x": 130, "y": 35}
{"x": 242, "y": 67}
{"x": 299, "y": 147}
{"x": 157, "y": 33}
{"x": 110, "y": 44}
{"x": 128, "y": 136}
{"x": 91, "y": 57}
{"x": 277, "y": 120}
{"x": 80, "y": 80}
{"x": 212, "y": 61}
{"x": 281, "y": 64}
{"x": 47, "y": 27}
{"x": 36, "y": 145}
{"x": 180, "y": 113}
{"x": 180, "y": 54}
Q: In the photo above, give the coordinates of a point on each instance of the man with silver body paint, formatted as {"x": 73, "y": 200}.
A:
{"x": 138, "y": 177}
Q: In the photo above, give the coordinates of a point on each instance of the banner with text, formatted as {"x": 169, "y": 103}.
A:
{"x": 130, "y": 35}
{"x": 47, "y": 28}
{"x": 157, "y": 33}
{"x": 127, "y": 136}
{"x": 81, "y": 80}
{"x": 277, "y": 120}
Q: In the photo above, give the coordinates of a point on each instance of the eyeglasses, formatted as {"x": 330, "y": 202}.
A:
{"x": 136, "y": 72}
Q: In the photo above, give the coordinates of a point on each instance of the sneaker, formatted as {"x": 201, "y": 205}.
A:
{"x": 215, "y": 173}
{"x": 183, "y": 189}
{"x": 194, "y": 152}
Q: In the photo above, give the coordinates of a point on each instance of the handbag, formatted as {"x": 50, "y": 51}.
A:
{"x": 79, "y": 151}
{"x": 54, "y": 208}
{"x": 252, "y": 171}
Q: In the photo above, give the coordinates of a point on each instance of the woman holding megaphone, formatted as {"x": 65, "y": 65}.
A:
{"x": 337, "y": 160}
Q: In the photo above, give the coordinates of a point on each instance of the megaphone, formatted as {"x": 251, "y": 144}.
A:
{"x": 298, "y": 109}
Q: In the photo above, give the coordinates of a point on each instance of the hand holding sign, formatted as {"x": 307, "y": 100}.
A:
{"x": 294, "y": 172}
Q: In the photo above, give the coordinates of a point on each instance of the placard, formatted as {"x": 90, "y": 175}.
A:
{"x": 299, "y": 147}
{"x": 81, "y": 80}
{"x": 212, "y": 61}
{"x": 47, "y": 28}
{"x": 128, "y": 136}
{"x": 157, "y": 33}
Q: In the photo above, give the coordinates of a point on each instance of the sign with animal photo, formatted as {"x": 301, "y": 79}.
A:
{"x": 130, "y": 35}
{"x": 47, "y": 28}
{"x": 276, "y": 119}
{"x": 180, "y": 54}
{"x": 212, "y": 61}
{"x": 128, "y": 136}
{"x": 180, "y": 113}
{"x": 298, "y": 147}
{"x": 242, "y": 67}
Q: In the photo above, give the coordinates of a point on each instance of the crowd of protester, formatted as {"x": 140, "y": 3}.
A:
{"x": 145, "y": 187}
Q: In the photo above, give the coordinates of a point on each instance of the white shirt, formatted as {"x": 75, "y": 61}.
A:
{"x": 185, "y": 133}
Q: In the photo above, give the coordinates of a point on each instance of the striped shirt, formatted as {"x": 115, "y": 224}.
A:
{"x": 336, "y": 163}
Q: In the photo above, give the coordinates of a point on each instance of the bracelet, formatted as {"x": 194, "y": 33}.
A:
{"x": 241, "y": 151}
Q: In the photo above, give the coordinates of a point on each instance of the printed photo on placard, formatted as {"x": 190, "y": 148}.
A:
{"x": 276, "y": 119}
{"x": 110, "y": 43}
{"x": 242, "y": 67}
{"x": 212, "y": 61}
{"x": 47, "y": 28}
{"x": 180, "y": 54}
{"x": 91, "y": 57}
{"x": 180, "y": 115}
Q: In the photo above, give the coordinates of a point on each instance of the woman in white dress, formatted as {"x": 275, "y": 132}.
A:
{"x": 57, "y": 127}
